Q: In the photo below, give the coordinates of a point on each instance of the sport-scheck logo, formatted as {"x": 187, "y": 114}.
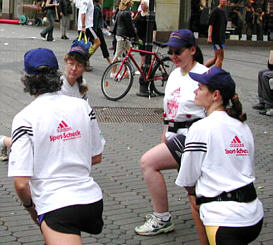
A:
{"x": 237, "y": 147}
{"x": 64, "y": 135}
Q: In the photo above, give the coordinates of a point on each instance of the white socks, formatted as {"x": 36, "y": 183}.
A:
{"x": 163, "y": 216}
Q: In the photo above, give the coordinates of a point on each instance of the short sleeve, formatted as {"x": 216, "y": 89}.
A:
{"x": 21, "y": 159}
{"x": 192, "y": 157}
{"x": 98, "y": 141}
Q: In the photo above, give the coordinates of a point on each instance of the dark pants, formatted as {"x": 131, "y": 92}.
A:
{"x": 103, "y": 45}
{"x": 265, "y": 94}
{"x": 49, "y": 29}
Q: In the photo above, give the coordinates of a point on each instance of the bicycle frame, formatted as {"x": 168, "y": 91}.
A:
{"x": 131, "y": 57}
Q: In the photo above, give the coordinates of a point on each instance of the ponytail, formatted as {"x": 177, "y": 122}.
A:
{"x": 198, "y": 56}
{"x": 82, "y": 87}
{"x": 235, "y": 110}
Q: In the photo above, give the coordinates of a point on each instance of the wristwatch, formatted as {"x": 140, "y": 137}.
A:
{"x": 28, "y": 205}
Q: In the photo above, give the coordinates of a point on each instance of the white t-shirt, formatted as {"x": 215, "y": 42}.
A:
{"x": 85, "y": 7}
{"x": 219, "y": 156}
{"x": 179, "y": 97}
{"x": 73, "y": 91}
{"x": 54, "y": 147}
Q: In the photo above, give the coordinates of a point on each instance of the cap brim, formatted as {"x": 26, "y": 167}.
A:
{"x": 198, "y": 77}
{"x": 174, "y": 44}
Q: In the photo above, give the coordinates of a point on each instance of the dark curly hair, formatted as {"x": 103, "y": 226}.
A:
{"x": 46, "y": 81}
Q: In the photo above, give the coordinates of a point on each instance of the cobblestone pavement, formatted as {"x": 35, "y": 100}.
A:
{"x": 136, "y": 130}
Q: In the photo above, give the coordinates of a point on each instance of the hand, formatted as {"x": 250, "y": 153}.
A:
{"x": 209, "y": 40}
{"x": 56, "y": 4}
{"x": 83, "y": 29}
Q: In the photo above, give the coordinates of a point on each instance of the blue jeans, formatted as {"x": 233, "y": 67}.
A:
{"x": 49, "y": 29}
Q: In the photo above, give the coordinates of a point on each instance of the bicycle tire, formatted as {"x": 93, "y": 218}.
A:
{"x": 115, "y": 88}
{"x": 158, "y": 86}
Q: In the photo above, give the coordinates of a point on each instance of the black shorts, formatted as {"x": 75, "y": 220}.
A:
{"x": 238, "y": 235}
{"x": 76, "y": 218}
{"x": 176, "y": 146}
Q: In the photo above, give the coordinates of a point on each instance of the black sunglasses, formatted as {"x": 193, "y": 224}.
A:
{"x": 176, "y": 51}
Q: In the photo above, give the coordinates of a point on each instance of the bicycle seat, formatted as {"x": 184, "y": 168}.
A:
{"x": 159, "y": 44}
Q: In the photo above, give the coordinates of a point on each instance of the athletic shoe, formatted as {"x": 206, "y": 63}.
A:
{"x": 137, "y": 73}
{"x": 267, "y": 112}
{"x": 259, "y": 106}
{"x": 154, "y": 226}
{"x": 43, "y": 36}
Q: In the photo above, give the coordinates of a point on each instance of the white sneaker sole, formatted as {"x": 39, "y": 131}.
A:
{"x": 165, "y": 230}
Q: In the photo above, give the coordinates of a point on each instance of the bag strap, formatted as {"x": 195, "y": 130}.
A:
{"x": 84, "y": 37}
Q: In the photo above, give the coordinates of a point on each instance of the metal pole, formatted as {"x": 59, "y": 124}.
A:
{"x": 149, "y": 34}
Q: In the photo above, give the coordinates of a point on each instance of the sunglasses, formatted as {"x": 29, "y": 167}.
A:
{"x": 176, "y": 51}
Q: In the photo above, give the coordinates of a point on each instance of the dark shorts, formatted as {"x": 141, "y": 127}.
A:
{"x": 76, "y": 218}
{"x": 218, "y": 46}
{"x": 176, "y": 146}
{"x": 238, "y": 235}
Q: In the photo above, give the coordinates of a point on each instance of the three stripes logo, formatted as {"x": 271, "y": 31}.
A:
{"x": 63, "y": 127}
{"x": 236, "y": 142}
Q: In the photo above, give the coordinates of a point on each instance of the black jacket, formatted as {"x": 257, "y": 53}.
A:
{"x": 124, "y": 24}
{"x": 65, "y": 7}
{"x": 98, "y": 21}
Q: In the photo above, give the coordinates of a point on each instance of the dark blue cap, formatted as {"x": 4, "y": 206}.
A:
{"x": 218, "y": 79}
{"x": 181, "y": 38}
{"x": 36, "y": 58}
{"x": 80, "y": 48}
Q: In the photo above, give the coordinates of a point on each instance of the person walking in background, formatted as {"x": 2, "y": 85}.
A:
{"x": 218, "y": 163}
{"x": 180, "y": 112}
{"x": 85, "y": 25}
{"x": 51, "y": 167}
{"x": 141, "y": 26}
{"x": 47, "y": 33}
{"x": 98, "y": 25}
{"x": 124, "y": 30}
{"x": 65, "y": 11}
{"x": 265, "y": 89}
{"x": 216, "y": 34}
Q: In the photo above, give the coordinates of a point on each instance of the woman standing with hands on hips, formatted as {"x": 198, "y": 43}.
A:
{"x": 218, "y": 163}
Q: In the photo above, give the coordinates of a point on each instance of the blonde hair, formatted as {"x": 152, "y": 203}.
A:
{"x": 124, "y": 4}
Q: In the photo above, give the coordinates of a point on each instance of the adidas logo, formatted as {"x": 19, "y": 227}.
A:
{"x": 236, "y": 142}
{"x": 63, "y": 127}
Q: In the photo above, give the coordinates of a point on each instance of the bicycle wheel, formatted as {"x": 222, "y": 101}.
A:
{"x": 160, "y": 73}
{"x": 116, "y": 86}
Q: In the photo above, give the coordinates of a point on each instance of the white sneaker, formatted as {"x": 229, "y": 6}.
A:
{"x": 137, "y": 73}
{"x": 154, "y": 226}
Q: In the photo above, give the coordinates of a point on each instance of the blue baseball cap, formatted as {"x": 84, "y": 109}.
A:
{"x": 218, "y": 79}
{"x": 35, "y": 58}
{"x": 181, "y": 38}
{"x": 80, "y": 48}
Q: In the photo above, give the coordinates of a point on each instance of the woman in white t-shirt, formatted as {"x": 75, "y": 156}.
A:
{"x": 55, "y": 142}
{"x": 180, "y": 112}
{"x": 73, "y": 85}
{"x": 218, "y": 163}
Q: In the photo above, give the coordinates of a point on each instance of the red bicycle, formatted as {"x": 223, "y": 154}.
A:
{"x": 116, "y": 86}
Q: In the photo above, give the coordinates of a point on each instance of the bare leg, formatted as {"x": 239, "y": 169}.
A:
{"x": 211, "y": 61}
{"x": 198, "y": 223}
{"x": 156, "y": 159}
{"x": 57, "y": 238}
{"x": 220, "y": 57}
